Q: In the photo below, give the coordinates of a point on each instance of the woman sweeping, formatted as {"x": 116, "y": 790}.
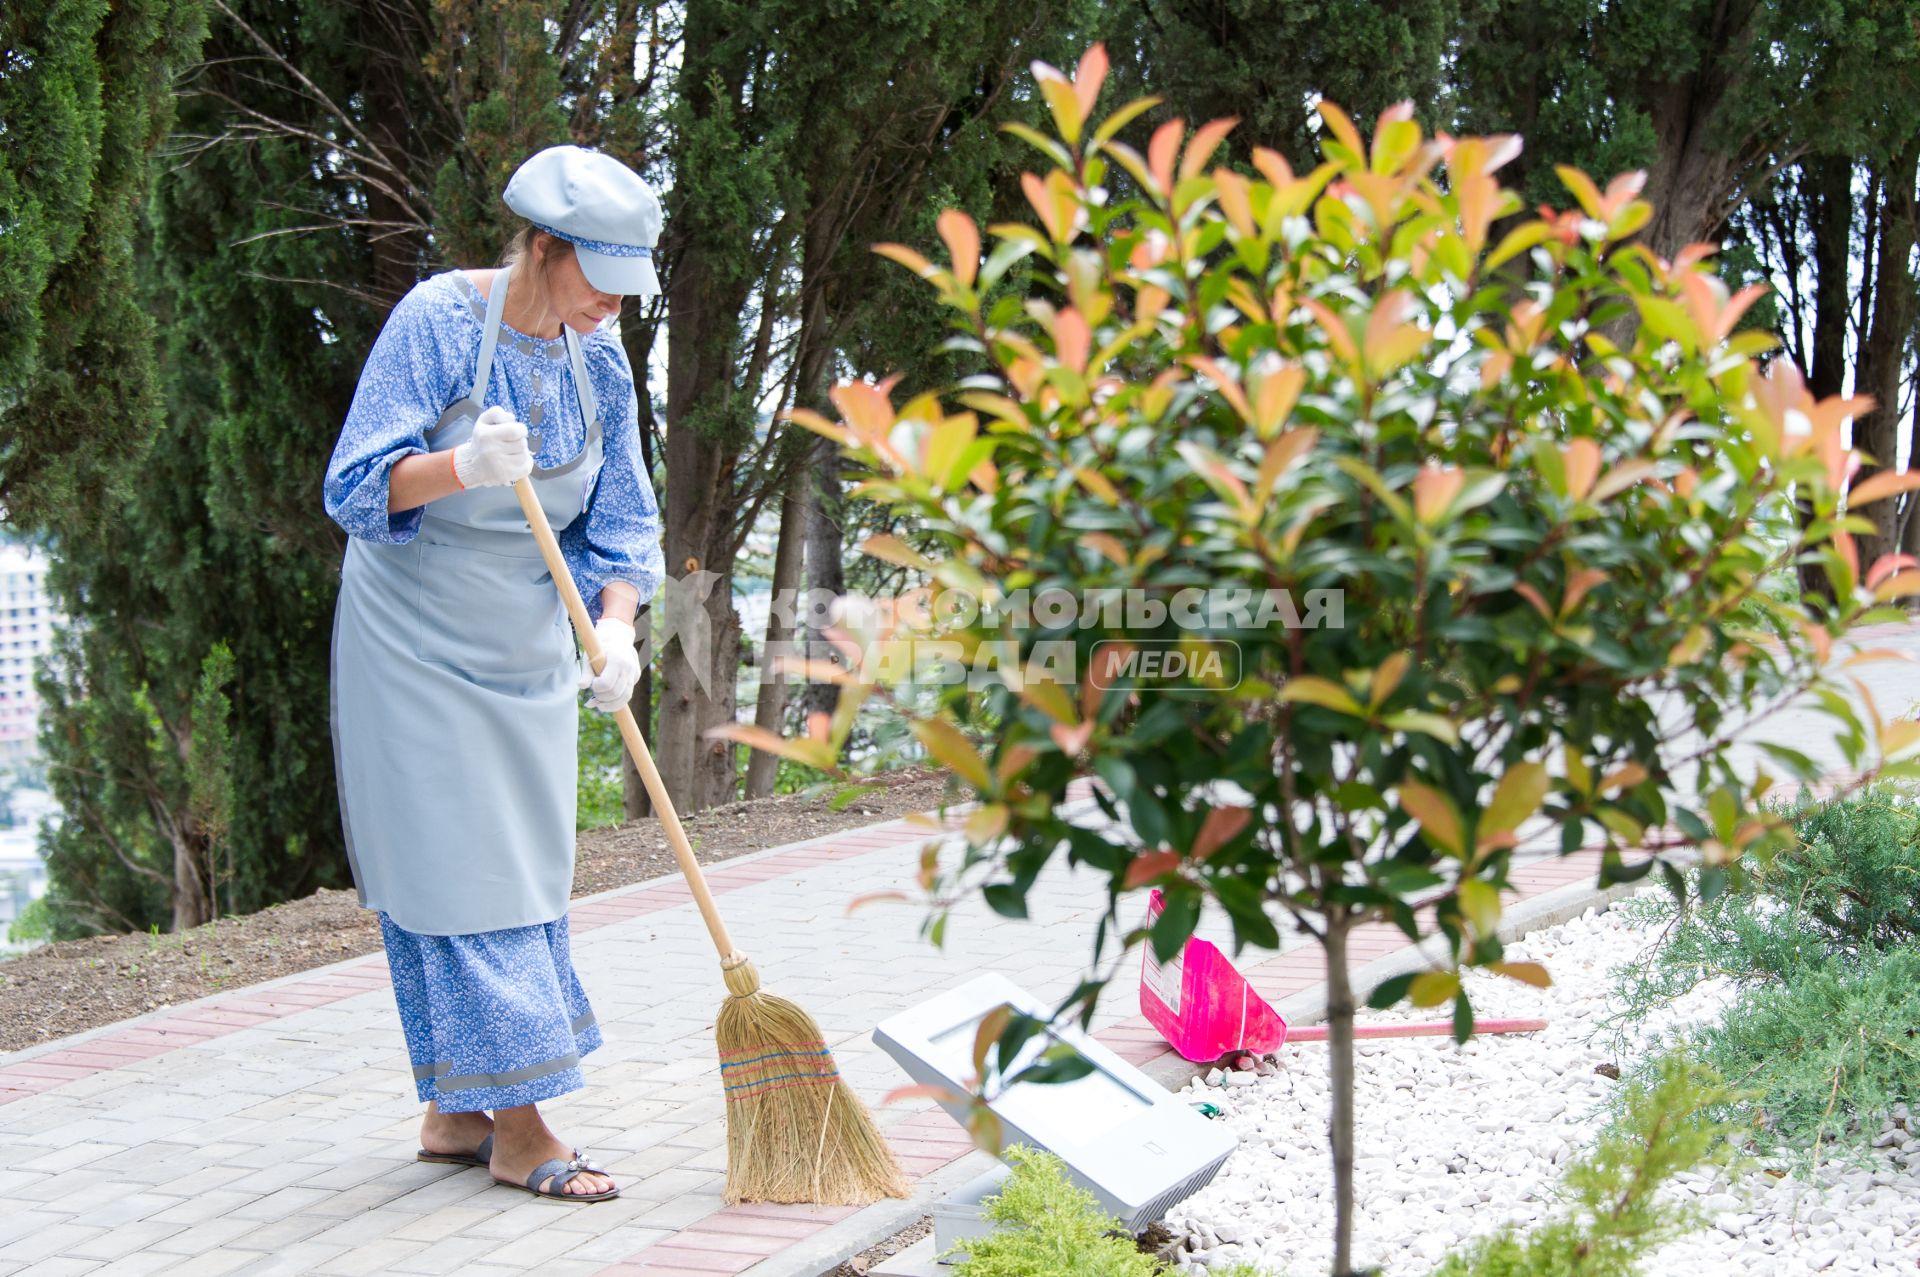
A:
{"x": 455, "y": 707}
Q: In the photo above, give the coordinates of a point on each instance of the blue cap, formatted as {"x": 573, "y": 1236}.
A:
{"x": 601, "y": 207}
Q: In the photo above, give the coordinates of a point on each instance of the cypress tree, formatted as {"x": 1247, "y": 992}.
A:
{"x": 83, "y": 414}
{"x": 186, "y": 718}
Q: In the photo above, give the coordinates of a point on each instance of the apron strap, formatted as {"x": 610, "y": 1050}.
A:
{"x": 490, "y": 335}
{"x": 589, "y": 411}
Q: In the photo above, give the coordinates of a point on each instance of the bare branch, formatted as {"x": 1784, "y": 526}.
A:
{"x": 375, "y": 152}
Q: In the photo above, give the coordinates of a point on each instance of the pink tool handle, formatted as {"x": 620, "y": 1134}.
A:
{"x": 1432, "y": 1029}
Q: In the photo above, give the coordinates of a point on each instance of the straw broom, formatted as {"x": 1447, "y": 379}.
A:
{"x": 796, "y": 1132}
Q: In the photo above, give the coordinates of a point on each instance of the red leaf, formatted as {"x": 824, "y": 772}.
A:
{"x": 1150, "y": 865}
{"x": 1088, "y": 77}
{"x": 1219, "y": 828}
{"x": 1886, "y": 565}
{"x": 1161, "y": 151}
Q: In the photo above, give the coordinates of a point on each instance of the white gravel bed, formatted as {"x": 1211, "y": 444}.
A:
{"x": 1454, "y": 1142}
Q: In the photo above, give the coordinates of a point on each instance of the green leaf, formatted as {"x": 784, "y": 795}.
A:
{"x": 1669, "y": 321}
{"x": 1439, "y": 821}
{"x": 947, "y": 745}
{"x": 1390, "y": 991}
{"x": 1713, "y": 883}
{"x": 1121, "y": 118}
{"x": 1614, "y": 870}
{"x": 1002, "y": 259}
{"x": 1428, "y": 724}
{"x": 1516, "y": 798}
{"x": 1005, "y": 899}
{"x": 1431, "y": 988}
{"x": 1357, "y": 796}
{"x": 1312, "y": 690}
{"x": 1372, "y": 480}
{"x": 1518, "y": 240}
{"x": 1480, "y": 488}
{"x": 1118, "y": 773}
{"x": 1179, "y": 914}
{"x": 1059, "y": 1064}
{"x": 1040, "y": 142}
{"x": 1480, "y": 903}
{"x": 1630, "y": 830}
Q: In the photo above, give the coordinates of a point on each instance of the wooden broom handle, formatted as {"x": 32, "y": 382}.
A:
{"x": 629, "y": 729}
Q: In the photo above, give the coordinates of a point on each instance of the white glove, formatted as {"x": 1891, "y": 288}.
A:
{"x": 496, "y": 455}
{"x": 613, "y": 685}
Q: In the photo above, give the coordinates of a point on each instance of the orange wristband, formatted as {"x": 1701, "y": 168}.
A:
{"x": 454, "y": 466}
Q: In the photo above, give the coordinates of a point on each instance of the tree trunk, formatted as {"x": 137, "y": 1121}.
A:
{"x": 1695, "y": 175}
{"x": 707, "y": 290}
{"x": 1829, "y": 187}
{"x": 698, "y": 772}
{"x": 396, "y": 254}
{"x": 1882, "y": 367}
{"x": 635, "y": 801}
{"x": 192, "y": 874}
{"x": 639, "y": 337}
{"x": 826, "y": 571}
{"x": 819, "y": 469}
{"x": 1340, "y": 1010}
{"x": 788, "y": 557}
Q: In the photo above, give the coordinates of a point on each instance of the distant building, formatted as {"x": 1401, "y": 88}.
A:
{"x": 23, "y": 874}
{"x": 26, "y": 628}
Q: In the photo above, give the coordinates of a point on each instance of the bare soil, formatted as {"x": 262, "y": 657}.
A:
{"x": 861, "y": 1264}
{"x": 81, "y": 984}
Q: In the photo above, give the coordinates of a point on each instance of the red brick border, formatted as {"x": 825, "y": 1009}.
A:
{"x": 246, "y": 1007}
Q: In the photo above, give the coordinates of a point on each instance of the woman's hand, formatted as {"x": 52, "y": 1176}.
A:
{"x": 613, "y": 685}
{"x": 497, "y": 453}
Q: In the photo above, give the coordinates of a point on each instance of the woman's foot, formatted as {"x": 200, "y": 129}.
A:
{"x": 521, "y": 1142}
{"x": 453, "y": 1134}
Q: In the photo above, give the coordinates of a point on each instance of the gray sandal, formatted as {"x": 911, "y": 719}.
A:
{"x": 562, "y": 1173}
{"x": 481, "y": 1157}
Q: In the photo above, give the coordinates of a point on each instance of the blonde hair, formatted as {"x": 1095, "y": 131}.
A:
{"x": 520, "y": 249}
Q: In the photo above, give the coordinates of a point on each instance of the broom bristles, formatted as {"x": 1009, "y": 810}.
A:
{"x": 796, "y": 1132}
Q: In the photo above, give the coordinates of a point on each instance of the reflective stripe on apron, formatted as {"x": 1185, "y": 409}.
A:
{"x": 455, "y": 701}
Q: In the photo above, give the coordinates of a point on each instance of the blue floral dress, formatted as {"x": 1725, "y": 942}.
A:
{"x": 455, "y": 706}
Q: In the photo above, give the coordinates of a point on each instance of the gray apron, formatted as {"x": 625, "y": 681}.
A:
{"x": 455, "y": 697}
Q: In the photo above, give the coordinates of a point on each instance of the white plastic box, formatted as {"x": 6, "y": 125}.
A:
{"x": 1136, "y": 1146}
{"x": 957, "y": 1217}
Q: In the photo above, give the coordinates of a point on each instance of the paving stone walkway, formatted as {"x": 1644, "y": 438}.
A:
{"x": 272, "y": 1129}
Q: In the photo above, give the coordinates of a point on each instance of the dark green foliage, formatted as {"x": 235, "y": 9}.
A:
{"x": 1267, "y": 63}
{"x": 1616, "y": 1217}
{"x": 1708, "y": 97}
{"x": 186, "y": 720}
{"x": 1826, "y": 1054}
{"x": 1844, "y": 892}
{"x": 1530, "y": 68}
{"x": 599, "y": 796}
{"x": 1855, "y": 878}
{"x": 1047, "y": 1226}
{"x": 1822, "y": 1032}
{"x": 82, "y": 426}
{"x": 50, "y": 122}
{"x": 84, "y": 98}
{"x": 511, "y": 109}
